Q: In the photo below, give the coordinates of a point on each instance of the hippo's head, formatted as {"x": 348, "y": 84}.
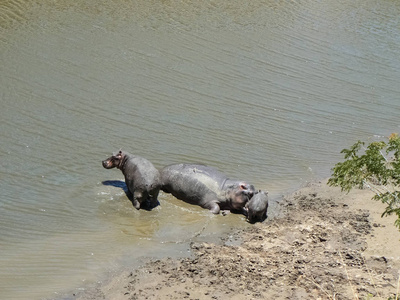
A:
{"x": 257, "y": 207}
{"x": 113, "y": 161}
{"x": 240, "y": 193}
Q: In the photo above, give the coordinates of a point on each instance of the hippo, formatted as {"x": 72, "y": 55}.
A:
{"x": 257, "y": 207}
{"x": 141, "y": 177}
{"x": 205, "y": 186}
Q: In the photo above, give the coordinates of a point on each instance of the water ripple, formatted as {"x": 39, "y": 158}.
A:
{"x": 268, "y": 92}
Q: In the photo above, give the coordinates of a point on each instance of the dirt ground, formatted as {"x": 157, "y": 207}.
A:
{"x": 326, "y": 245}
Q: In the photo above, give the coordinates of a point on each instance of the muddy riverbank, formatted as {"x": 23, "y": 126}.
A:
{"x": 328, "y": 245}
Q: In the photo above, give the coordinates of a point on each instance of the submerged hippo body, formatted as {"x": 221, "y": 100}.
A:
{"x": 205, "y": 186}
{"x": 257, "y": 207}
{"x": 141, "y": 177}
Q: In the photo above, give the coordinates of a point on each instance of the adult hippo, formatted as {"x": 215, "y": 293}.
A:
{"x": 141, "y": 177}
{"x": 205, "y": 186}
{"x": 257, "y": 207}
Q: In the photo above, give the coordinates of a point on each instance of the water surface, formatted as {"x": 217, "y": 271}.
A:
{"x": 266, "y": 91}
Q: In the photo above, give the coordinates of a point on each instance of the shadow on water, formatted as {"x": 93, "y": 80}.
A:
{"x": 121, "y": 184}
{"x": 117, "y": 183}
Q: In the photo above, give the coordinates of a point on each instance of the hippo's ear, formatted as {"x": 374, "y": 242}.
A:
{"x": 243, "y": 186}
{"x": 118, "y": 155}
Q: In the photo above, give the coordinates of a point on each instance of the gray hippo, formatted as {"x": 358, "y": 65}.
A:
{"x": 257, "y": 207}
{"x": 141, "y": 177}
{"x": 205, "y": 186}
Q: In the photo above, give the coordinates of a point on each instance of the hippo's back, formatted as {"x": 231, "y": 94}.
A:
{"x": 191, "y": 182}
{"x": 143, "y": 171}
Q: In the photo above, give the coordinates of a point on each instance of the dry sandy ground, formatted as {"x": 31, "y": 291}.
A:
{"x": 326, "y": 245}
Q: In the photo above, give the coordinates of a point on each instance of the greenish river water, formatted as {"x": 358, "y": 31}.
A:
{"x": 266, "y": 91}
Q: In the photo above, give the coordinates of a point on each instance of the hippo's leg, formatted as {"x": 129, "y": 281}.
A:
{"x": 213, "y": 207}
{"x": 137, "y": 198}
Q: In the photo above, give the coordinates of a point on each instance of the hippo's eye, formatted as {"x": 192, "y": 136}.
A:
{"x": 243, "y": 187}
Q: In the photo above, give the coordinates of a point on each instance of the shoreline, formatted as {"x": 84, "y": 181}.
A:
{"x": 327, "y": 244}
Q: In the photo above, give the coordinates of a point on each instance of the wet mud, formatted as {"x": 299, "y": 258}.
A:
{"x": 315, "y": 250}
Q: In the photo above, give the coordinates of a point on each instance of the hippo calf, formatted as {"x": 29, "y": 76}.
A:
{"x": 141, "y": 177}
{"x": 257, "y": 207}
{"x": 205, "y": 186}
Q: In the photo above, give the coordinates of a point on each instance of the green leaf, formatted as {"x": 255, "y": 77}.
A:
{"x": 372, "y": 168}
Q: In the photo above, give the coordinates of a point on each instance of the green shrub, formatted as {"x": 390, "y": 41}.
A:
{"x": 377, "y": 168}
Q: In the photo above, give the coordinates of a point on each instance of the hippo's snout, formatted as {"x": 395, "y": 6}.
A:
{"x": 250, "y": 194}
{"x": 249, "y": 190}
{"x": 107, "y": 164}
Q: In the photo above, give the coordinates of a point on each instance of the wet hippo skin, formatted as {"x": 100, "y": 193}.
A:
{"x": 205, "y": 186}
{"x": 141, "y": 177}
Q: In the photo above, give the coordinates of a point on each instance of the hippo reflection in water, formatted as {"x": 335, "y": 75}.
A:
{"x": 205, "y": 186}
{"x": 141, "y": 177}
